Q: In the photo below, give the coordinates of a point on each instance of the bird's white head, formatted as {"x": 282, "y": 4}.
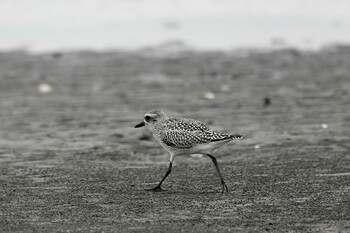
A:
{"x": 151, "y": 118}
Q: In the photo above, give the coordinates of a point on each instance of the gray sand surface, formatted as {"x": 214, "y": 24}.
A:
{"x": 71, "y": 161}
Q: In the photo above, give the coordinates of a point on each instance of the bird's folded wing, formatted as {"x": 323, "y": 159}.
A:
{"x": 187, "y": 139}
{"x": 185, "y": 124}
{"x": 183, "y": 139}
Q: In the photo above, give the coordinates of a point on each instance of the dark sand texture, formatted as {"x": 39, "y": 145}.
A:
{"x": 71, "y": 161}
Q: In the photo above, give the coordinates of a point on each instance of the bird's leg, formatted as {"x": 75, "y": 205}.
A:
{"x": 158, "y": 188}
{"x": 223, "y": 184}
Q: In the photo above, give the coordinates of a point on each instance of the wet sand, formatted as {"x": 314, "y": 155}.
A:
{"x": 70, "y": 159}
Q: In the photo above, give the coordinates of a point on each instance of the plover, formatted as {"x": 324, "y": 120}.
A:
{"x": 184, "y": 136}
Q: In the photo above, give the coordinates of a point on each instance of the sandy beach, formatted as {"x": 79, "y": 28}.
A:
{"x": 71, "y": 161}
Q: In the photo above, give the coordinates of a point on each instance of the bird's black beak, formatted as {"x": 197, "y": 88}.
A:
{"x": 140, "y": 125}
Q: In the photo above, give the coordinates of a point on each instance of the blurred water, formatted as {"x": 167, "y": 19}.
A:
{"x": 40, "y": 25}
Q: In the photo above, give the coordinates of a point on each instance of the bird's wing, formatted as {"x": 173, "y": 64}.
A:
{"x": 219, "y": 136}
{"x": 184, "y": 124}
{"x": 187, "y": 139}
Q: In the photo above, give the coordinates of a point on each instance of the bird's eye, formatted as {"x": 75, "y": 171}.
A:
{"x": 147, "y": 118}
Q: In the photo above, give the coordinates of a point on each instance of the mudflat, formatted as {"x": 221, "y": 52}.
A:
{"x": 71, "y": 161}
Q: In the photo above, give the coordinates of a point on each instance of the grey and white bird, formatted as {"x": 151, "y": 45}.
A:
{"x": 184, "y": 136}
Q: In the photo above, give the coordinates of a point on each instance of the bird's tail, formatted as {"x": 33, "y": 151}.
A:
{"x": 236, "y": 137}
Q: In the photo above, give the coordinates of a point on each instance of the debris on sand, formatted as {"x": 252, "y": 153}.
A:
{"x": 324, "y": 126}
{"x": 145, "y": 137}
{"x": 208, "y": 95}
{"x": 56, "y": 55}
{"x": 45, "y": 88}
{"x": 225, "y": 88}
{"x": 118, "y": 135}
{"x": 267, "y": 101}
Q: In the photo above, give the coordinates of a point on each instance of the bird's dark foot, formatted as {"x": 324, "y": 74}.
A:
{"x": 224, "y": 187}
{"x": 156, "y": 189}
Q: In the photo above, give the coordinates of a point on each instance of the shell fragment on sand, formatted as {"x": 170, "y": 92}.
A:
{"x": 45, "y": 88}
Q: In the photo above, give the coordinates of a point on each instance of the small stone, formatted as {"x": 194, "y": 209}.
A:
{"x": 44, "y": 88}
{"x": 225, "y": 88}
{"x": 118, "y": 135}
{"x": 267, "y": 101}
{"x": 145, "y": 137}
{"x": 324, "y": 125}
{"x": 56, "y": 55}
{"x": 257, "y": 146}
{"x": 208, "y": 95}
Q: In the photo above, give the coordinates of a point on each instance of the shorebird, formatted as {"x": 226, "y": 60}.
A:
{"x": 184, "y": 136}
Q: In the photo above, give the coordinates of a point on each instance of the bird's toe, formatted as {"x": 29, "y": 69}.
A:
{"x": 156, "y": 189}
{"x": 224, "y": 187}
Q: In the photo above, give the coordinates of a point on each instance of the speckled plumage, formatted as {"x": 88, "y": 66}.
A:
{"x": 180, "y": 136}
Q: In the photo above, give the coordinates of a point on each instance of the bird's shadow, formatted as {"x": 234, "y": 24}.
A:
{"x": 170, "y": 191}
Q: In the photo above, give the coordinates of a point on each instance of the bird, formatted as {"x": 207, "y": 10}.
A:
{"x": 185, "y": 136}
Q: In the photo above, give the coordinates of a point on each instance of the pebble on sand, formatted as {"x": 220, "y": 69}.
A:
{"x": 267, "y": 101}
{"x": 256, "y": 146}
{"x": 324, "y": 125}
{"x": 225, "y": 88}
{"x": 44, "y": 88}
{"x": 208, "y": 95}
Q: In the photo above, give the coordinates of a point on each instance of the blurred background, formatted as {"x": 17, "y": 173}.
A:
{"x": 39, "y": 25}
{"x": 79, "y": 74}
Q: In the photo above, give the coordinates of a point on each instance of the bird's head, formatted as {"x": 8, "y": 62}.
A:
{"x": 151, "y": 118}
